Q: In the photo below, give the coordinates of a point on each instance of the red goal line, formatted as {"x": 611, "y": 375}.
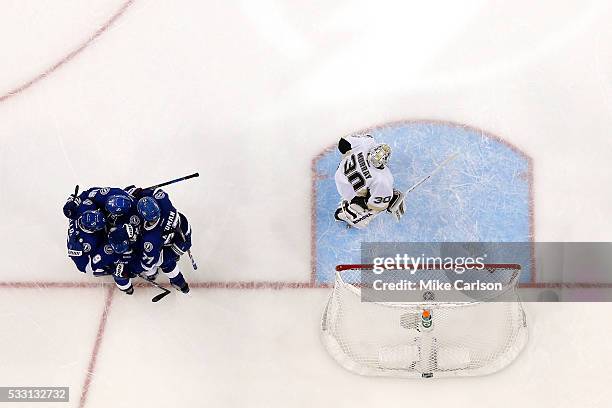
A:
{"x": 510, "y": 266}
{"x": 472, "y": 266}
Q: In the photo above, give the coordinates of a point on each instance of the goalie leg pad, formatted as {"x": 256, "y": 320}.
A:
{"x": 353, "y": 214}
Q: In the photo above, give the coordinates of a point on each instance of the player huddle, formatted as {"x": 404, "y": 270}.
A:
{"x": 127, "y": 233}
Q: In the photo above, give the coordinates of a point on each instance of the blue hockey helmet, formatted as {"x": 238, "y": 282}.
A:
{"x": 92, "y": 220}
{"x": 118, "y": 204}
{"x": 148, "y": 209}
{"x": 119, "y": 240}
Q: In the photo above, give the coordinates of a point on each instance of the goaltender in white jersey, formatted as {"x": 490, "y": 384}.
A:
{"x": 365, "y": 182}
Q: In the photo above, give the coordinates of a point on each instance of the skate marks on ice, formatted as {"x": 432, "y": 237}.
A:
{"x": 485, "y": 194}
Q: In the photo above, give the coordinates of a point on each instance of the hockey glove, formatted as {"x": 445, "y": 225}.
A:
{"x": 122, "y": 270}
{"x": 137, "y": 193}
{"x": 71, "y": 207}
{"x": 181, "y": 247}
{"x": 182, "y": 243}
{"x": 396, "y": 205}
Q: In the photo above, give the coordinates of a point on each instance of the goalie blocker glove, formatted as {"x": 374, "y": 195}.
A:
{"x": 396, "y": 205}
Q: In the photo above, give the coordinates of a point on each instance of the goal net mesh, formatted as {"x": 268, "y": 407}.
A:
{"x": 423, "y": 339}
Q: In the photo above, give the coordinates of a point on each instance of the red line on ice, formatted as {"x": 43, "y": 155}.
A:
{"x": 96, "y": 349}
{"x": 195, "y": 285}
{"x": 71, "y": 55}
{"x": 254, "y": 285}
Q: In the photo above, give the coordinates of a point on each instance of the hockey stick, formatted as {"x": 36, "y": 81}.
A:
{"x": 194, "y": 265}
{"x": 156, "y": 298}
{"x": 398, "y": 208}
{"x": 430, "y": 175}
{"x": 193, "y": 262}
{"x": 172, "y": 181}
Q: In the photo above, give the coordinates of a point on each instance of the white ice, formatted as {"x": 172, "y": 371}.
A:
{"x": 247, "y": 93}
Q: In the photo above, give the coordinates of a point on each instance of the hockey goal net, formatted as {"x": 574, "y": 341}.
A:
{"x": 424, "y": 339}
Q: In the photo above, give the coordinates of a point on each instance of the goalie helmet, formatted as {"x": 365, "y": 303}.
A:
{"x": 379, "y": 155}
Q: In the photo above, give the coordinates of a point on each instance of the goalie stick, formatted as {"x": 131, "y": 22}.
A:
{"x": 398, "y": 207}
{"x": 437, "y": 169}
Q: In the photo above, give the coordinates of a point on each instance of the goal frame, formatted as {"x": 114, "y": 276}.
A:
{"x": 336, "y": 349}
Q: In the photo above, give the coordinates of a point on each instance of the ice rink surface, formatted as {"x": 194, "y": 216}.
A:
{"x": 248, "y": 93}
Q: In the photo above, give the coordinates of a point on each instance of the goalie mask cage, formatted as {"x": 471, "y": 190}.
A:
{"x": 428, "y": 339}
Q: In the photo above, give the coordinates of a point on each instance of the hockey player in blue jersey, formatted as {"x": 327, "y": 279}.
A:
{"x": 158, "y": 244}
{"x": 116, "y": 204}
{"x": 127, "y": 233}
{"x": 124, "y": 262}
{"x": 165, "y": 235}
{"x": 94, "y": 198}
{"x": 86, "y": 236}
